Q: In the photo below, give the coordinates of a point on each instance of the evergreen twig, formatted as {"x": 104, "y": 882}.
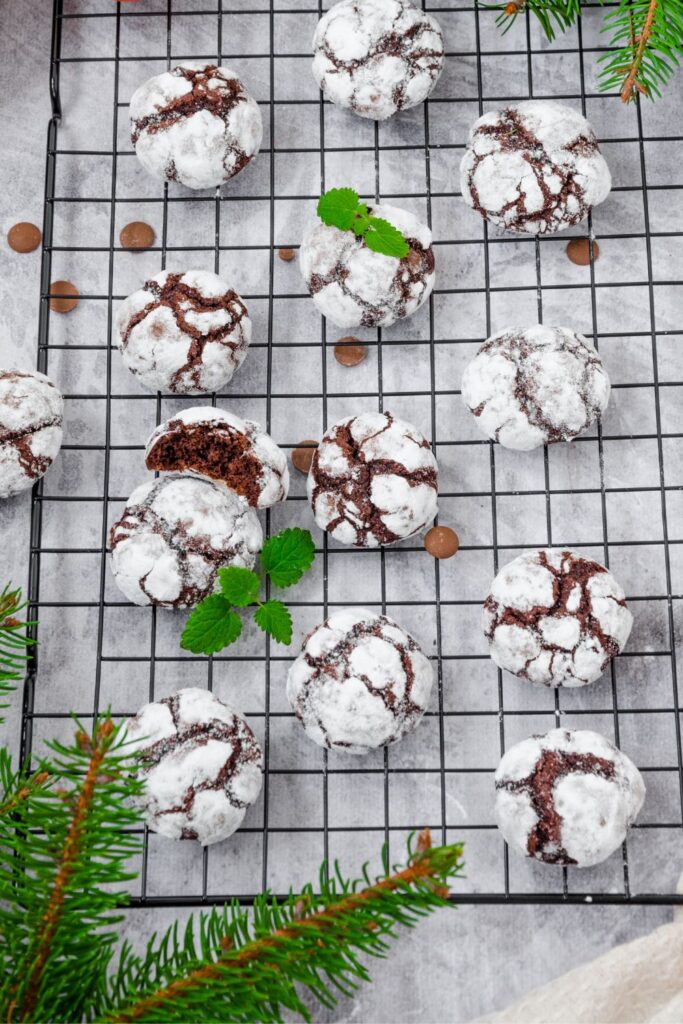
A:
{"x": 13, "y": 641}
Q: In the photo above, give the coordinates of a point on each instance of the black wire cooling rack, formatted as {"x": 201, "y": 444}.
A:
{"x": 615, "y": 493}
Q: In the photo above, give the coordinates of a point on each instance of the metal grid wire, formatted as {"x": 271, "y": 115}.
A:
{"x": 316, "y": 804}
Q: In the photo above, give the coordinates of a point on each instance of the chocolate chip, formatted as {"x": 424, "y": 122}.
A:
{"x": 349, "y": 352}
{"x": 442, "y": 542}
{"x": 286, "y": 254}
{"x": 302, "y": 457}
{"x": 64, "y": 296}
{"x": 137, "y": 235}
{"x": 579, "y": 251}
{"x": 23, "y": 237}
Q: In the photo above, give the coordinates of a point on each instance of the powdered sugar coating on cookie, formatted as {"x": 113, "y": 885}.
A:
{"x": 534, "y": 167}
{"x": 376, "y": 57}
{"x": 31, "y": 411}
{"x": 201, "y": 764}
{"x": 184, "y": 333}
{"x": 555, "y": 618}
{"x": 195, "y": 124}
{"x": 360, "y": 682}
{"x": 373, "y": 480}
{"x": 173, "y": 537}
{"x": 529, "y": 386}
{"x": 355, "y": 287}
{"x": 567, "y": 798}
{"x": 230, "y": 451}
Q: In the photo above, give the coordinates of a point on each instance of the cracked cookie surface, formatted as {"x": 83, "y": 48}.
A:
{"x": 31, "y": 411}
{"x": 173, "y": 537}
{"x": 377, "y": 57}
{"x": 567, "y": 798}
{"x": 195, "y": 124}
{"x": 184, "y": 333}
{"x": 529, "y": 386}
{"x": 201, "y": 764}
{"x": 373, "y": 480}
{"x": 361, "y": 682}
{"x": 555, "y": 618}
{"x": 534, "y": 168}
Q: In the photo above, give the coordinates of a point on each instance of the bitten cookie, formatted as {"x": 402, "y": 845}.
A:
{"x": 31, "y": 410}
{"x": 534, "y": 167}
{"x": 173, "y": 537}
{"x": 529, "y": 386}
{"x": 184, "y": 333}
{"x": 567, "y": 797}
{"x": 195, "y": 124}
{"x": 201, "y": 764}
{"x": 355, "y": 287}
{"x": 373, "y": 480}
{"x": 555, "y": 618}
{"x": 359, "y": 683}
{"x": 228, "y": 450}
{"x": 376, "y": 57}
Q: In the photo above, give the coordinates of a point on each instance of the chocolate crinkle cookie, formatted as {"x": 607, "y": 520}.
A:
{"x": 376, "y": 57}
{"x": 360, "y": 682}
{"x": 529, "y": 386}
{"x": 355, "y": 287}
{"x": 173, "y": 537}
{"x": 373, "y": 480}
{"x": 195, "y": 124}
{"x": 534, "y": 168}
{"x": 184, "y": 333}
{"x": 555, "y": 618}
{"x": 230, "y": 451}
{"x": 31, "y": 410}
{"x": 201, "y": 764}
{"x": 567, "y": 798}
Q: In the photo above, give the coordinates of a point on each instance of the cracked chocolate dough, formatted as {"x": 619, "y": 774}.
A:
{"x": 184, "y": 333}
{"x": 228, "y": 450}
{"x": 555, "y": 618}
{"x": 529, "y": 386}
{"x": 567, "y": 798}
{"x": 195, "y": 124}
{"x": 373, "y": 480}
{"x": 534, "y": 167}
{"x": 376, "y": 57}
{"x": 201, "y": 764}
{"x": 173, "y": 537}
{"x": 355, "y": 287}
{"x": 31, "y": 410}
{"x": 360, "y": 682}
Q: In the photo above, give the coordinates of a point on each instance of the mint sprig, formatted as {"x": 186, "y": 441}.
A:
{"x": 342, "y": 208}
{"x": 214, "y": 625}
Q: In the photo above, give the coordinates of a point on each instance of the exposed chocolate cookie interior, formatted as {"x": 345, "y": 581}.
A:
{"x": 31, "y": 411}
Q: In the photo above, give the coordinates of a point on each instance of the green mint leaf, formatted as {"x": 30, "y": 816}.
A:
{"x": 384, "y": 238}
{"x": 211, "y": 626}
{"x": 239, "y": 586}
{"x": 273, "y": 618}
{"x": 287, "y": 556}
{"x": 338, "y": 208}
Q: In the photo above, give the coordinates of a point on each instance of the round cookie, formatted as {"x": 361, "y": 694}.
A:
{"x": 373, "y": 480}
{"x": 195, "y": 124}
{"x": 555, "y": 618}
{"x": 173, "y": 537}
{"x": 201, "y": 764}
{"x": 360, "y": 682}
{"x": 228, "y": 450}
{"x": 567, "y": 798}
{"x": 183, "y": 333}
{"x": 31, "y": 410}
{"x": 529, "y": 386}
{"x": 355, "y": 287}
{"x": 534, "y": 168}
{"x": 376, "y": 57}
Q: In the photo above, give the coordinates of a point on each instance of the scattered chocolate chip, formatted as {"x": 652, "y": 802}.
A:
{"x": 64, "y": 296}
{"x": 286, "y": 254}
{"x": 23, "y": 237}
{"x": 441, "y": 542}
{"x": 349, "y": 352}
{"x": 579, "y": 251}
{"x": 137, "y": 235}
{"x": 302, "y": 457}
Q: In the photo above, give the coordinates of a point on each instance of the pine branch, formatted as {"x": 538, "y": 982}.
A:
{"x": 552, "y": 14}
{"x": 230, "y": 967}
{"x": 13, "y": 641}
{"x": 647, "y": 44}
